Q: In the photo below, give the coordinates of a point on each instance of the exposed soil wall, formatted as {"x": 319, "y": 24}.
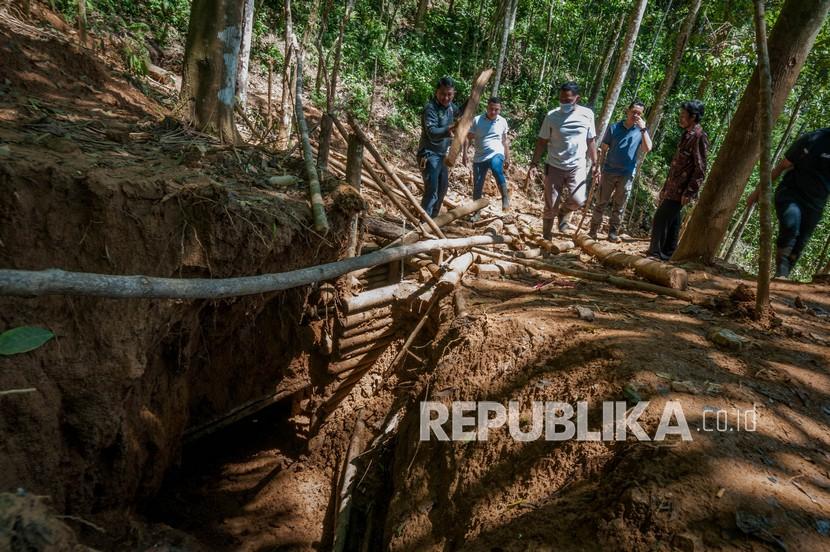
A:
{"x": 123, "y": 379}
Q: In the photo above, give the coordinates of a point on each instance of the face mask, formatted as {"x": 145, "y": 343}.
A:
{"x": 566, "y": 107}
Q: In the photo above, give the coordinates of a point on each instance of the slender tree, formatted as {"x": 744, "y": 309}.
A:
{"x": 632, "y": 30}
{"x": 791, "y": 39}
{"x": 764, "y": 183}
{"x": 325, "y": 122}
{"x": 656, "y": 111}
{"x": 509, "y": 21}
{"x": 245, "y": 52}
{"x": 423, "y": 6}
{"x": 285, "y": 101}
{"x": 602, "y": 72}
{"x": 214, "y": 37}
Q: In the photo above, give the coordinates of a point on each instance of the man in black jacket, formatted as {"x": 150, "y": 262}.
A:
{"x": 801, "y": 197}
{"x": 437, "y": 126}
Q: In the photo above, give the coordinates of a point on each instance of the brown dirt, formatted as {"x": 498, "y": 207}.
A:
{"x": 97, "y": 179}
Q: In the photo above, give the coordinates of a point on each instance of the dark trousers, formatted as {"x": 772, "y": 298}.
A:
{"x": 665, "y": 230}
{"x": 796, "y": 223}
{"x": 436, "y": 181}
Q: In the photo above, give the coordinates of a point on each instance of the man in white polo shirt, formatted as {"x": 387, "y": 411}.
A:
{"x": 489, "y": 136}
{"x": 568, "y": 135}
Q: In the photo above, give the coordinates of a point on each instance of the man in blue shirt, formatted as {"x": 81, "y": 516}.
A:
{"x": 437, "y": 127}
{"x": 489, "y": 135}
{"x": 801, "y": 197}
{"x": 619, "y": 150}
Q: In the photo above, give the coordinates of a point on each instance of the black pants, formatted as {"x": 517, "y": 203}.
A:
{"x": 796, "y": 222}
{"x": 665, "y": 229}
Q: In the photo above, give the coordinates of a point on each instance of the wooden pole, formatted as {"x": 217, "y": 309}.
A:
{"x": 27, "y": 283}
{"x": 401, "y": 186}
{"x": 353, "y": 177}
{"x": 654, "y": 271}
{"x": 762, "y": 306}
{"x": 463, "y": 127}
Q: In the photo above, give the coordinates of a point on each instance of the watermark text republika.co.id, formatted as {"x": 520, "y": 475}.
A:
{"x": 561, "y": 421}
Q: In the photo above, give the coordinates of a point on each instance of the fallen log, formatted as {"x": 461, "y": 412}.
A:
{"x": 367, "y": 347}
{"x": 658, "y": 272}
{"x": 451, "y": 279}
{"x": 360, "y": 436}
{"x": 443, "y": 219}
{"x": 346, "y": 344}
{"x": 380, "y": 297}
{"x": 27, "y": 283}
{"x": 354, "y": 320}
{"x": 617, "y": 281}
{"x": 368, "y": 327}
{"x": 355, "y": 362}
{"x": 382, "y": 228}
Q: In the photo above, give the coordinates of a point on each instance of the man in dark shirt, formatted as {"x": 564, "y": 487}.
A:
{"x": 437, "y": 126}
{"x": 801, "y": 197}
{"x": 686, "y": 174}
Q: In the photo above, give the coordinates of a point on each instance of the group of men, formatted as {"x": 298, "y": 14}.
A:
{"x": 568, "y": 135}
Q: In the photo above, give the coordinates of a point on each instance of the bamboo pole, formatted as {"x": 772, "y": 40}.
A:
{"x": 318, "y": 208}
{"x": 27, "y": 283}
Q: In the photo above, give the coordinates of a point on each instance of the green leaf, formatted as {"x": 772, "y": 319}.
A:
{"x": 23, "y": 339}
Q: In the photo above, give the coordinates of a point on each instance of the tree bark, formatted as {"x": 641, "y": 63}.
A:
{"x": 285, "y": 104}
{"x": 765, "y": 182}
{"x": 326, "y": 123}
{"x": 28, "y": 283}
{"x": 656, "y": 111}
{"x": 245, "y": 52}
{"x": 81, "y": 21}
{"x": 610, "y": 50}
{"x": 789, "y": 44}
{"x": 214, "y": 37}
{"x": 354, "y": 174}
{"x": 509, "y": 17}
{"x": 423, "y": 6}
{"x": 633, "y": 29}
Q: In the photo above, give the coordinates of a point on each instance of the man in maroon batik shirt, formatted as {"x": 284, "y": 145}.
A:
{"x": 686, "y": 174}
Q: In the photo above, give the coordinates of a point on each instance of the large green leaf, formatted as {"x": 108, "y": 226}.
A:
{"x": 23, "y": 339}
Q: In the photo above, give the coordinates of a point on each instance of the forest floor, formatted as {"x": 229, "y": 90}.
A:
{"x": 100, "y": 177}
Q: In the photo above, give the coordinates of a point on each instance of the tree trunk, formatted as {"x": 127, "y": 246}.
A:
{"x": 509, "y": 17}
{"x": 321, "y": 58}
{"x": 423, "y": 6}
{"x": 326, "y": 124}
{"x": 285, "y": 103}
{"x": 245, "y": 52}
{"x": 790, "y": 42}
{"x": 81, "y": 21}
{"x": 214, "y": 36}
{"x": 747, "y": 214}
{"x": 656, "y": 111}
{"x": 547, "y": 44}
{"x": 610, "y": 50}
{"x": 764, "y": 182}
{"x": 633, "y": 28}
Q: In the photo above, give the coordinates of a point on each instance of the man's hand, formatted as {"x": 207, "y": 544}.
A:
{"x": 596, "y": 172}
{"x": 753, "y": 198}
{"x": 532, "y": 171}
{"x": 451, "y": 128}
{"x": 641, "y": 124}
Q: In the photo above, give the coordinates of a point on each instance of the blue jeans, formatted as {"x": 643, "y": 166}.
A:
{"x": 495, "y": 164}
{"x": 796, "y": 223}
{"x": 436, "y": 181}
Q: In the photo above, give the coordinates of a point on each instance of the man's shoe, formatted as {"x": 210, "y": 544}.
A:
{"x": 505, "y": 204}
{"x": 547, "y": 229}
{"x": 592, "y": 233}
{"x": 612, "y": 236}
